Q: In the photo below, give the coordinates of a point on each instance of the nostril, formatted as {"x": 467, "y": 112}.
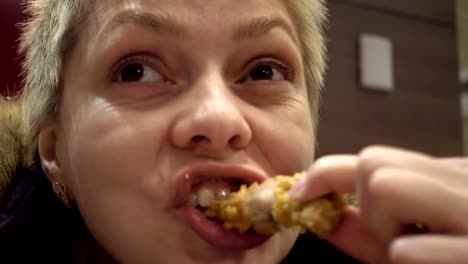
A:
{"x": 234, "y": 141}
{"x": 197, "y": 138}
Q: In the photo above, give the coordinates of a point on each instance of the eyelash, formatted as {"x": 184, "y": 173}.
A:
{"x": 282, "y": 67}
{"x": 141, "y": 58}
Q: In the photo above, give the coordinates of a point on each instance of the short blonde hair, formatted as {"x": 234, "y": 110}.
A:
{"x": 310, "y": 18}
{"x": 46, "y": 38}
{"x": 53, "y": 26}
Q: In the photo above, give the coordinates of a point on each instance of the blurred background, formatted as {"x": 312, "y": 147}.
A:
{"x": 422, "y": 110}
{"x": 398, "y": 74}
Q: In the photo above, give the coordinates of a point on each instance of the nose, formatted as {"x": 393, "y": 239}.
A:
{"x": 212, "y": 122}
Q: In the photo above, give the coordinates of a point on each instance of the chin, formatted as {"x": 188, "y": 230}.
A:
{"x": 272, "y": 251}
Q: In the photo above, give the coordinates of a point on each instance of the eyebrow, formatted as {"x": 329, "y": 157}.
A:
{"x": 169, "y": 25}
{"x": 158, "y": 22}
{"x": 260, "y": 26}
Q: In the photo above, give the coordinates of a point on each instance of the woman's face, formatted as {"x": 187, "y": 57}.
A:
{"x": 163, "y": 98}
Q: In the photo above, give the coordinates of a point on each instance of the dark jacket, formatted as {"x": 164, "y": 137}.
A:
{"x": 35, "y": 227}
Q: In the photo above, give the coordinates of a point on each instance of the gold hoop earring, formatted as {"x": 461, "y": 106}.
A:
{"x": 61, "y": 191}
{"x": 352, "y": 200}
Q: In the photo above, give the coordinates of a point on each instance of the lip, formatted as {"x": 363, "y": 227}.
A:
{"x": 203, "y": 171}
{"x": 215, "y": 234}
{"x": 210, "y": 231}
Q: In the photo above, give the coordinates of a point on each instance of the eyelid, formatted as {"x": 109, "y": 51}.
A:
{"x": 283, "y": 67}
{"x": 136, "y": 58}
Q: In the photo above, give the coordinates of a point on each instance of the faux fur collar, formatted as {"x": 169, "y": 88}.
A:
{"x": 14, "y": 160}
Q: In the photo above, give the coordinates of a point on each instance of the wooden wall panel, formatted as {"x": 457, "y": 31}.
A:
{"x": 423, "y": 113}
{"x": 431, "y": 11}
{"x": 462, "y": 22}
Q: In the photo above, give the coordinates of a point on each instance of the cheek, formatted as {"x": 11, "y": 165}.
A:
{"x": 112, "y": 167}
{"x": 287, "y": 140}
{"x": 112, "y": 157}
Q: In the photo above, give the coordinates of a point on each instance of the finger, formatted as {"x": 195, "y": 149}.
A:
{"x": 375, "y": 157}
{"x": 352, "y": 237}
{"x": 394, "y": 198}
{"x": 429, "y": 249}
{"x": 329, "y": 174}
{"x": 461, "y": 163}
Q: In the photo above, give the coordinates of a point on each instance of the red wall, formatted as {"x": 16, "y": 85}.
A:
{"x": 10, "y": 15}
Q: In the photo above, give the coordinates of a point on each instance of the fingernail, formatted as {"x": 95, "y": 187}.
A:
{"x": 298, "y": 189}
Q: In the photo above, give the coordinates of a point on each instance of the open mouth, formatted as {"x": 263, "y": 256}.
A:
{"x": 198, "y": 187}
{"x": 203, "y": 193}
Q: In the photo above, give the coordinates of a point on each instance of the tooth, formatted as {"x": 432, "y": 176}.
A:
{"x": 222, "y": 194}
{"x": 205, "y": 197}
{"x": 193, "y": 199}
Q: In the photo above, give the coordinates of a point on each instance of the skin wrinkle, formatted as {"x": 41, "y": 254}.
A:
{"x": 159, "y": 23}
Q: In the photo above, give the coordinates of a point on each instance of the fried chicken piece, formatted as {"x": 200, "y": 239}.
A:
{"x": 267, "y": 208}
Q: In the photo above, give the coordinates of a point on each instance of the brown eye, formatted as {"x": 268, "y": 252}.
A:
{"x": 263, "y": 72}
{"x": 132, "y": 73}
{"x": 136, "y": 71}
{"x": 268, "y": 71}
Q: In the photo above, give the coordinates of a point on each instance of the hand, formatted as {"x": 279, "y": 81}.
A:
{"x": 396, "y": 189}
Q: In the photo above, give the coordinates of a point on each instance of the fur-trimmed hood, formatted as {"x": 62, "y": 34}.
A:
{"x": 35, "y": 226}
{"x": 14, "y": 157}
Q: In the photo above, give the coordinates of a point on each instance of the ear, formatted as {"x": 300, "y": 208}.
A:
{"x": 47, "y": 145}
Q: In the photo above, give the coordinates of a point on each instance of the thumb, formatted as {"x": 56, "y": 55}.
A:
{"x": 352, "y": 237}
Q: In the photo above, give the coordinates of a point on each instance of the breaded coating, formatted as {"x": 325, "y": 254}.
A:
{"x": 267, "y": 208}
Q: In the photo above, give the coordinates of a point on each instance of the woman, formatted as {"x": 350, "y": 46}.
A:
{"x": 132, "y": 107}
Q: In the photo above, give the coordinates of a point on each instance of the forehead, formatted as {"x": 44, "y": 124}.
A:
{"x": 193, "y": 8}
{"x": 202, "y": 13}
